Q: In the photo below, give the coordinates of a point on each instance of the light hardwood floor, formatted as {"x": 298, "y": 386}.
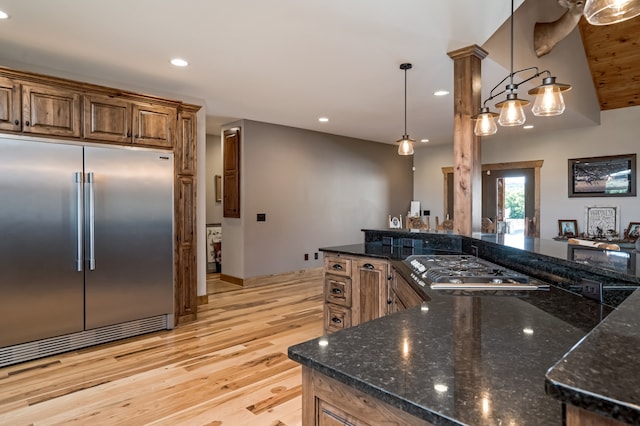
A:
{"x": 230, "y": 367}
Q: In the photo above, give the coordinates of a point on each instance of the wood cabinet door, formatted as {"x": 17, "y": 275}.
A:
{"x": 231, "y": 173}
{"x": 154, "y": 125}
{"x": 49, "y": 111}
{"x": 107, "y": 119}
{"x": 405, "y": 296}
{"x": 9, "y": 104}
{"x": 186, "y": 147}
{"x": 370, "y": 289}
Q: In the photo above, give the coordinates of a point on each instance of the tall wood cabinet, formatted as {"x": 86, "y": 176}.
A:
{"x": 231, "y": 173}
{"x": 64, "y": 109}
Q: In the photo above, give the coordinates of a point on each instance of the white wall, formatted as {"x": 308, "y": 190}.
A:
{"x": 316, "y": 190}
{"x": 617, "y": 134}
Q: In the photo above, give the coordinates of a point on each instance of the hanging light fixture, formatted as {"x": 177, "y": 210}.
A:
{"x": 549, "y": 100}
{"x": 605, "y": 12}
{"x": 406, "y": 143}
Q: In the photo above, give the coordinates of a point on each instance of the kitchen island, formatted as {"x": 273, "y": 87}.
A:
{"x": 463, "y": 360}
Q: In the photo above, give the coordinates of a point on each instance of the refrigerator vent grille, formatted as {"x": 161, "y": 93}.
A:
{"x": 56, "y": 345}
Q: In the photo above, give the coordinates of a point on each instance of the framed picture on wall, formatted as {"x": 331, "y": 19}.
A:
{"x": 611, "y": 176}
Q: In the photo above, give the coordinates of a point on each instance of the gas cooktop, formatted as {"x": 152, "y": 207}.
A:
{"x": 465, "y": 272}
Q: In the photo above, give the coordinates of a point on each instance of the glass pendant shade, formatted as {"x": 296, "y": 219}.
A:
{"x": 549, "y": 103}
{"x": 511, "y": 113}
{"x": 485, "y": 123}
{"x": 605, "y": 12}
{"x": 406, "y": 145}
{"x": 549, "y": 100}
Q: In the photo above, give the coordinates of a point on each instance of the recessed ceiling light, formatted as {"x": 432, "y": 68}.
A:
{"x": 528, "y": 126}
{"x": 424, "y": 140}
{"x": 323, "y": 119}
{"x": 4, "y": 15}
{"x": 441, "y": 93}
{"x": 178, "y": 62}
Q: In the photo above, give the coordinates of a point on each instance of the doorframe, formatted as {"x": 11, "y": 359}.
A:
{"x": 536, "y": 165}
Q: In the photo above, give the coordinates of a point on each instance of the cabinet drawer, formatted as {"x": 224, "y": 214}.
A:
{"x": 337, "y": 290}
{"x": 337, "y": 265}
{"x": 336, "y": 317}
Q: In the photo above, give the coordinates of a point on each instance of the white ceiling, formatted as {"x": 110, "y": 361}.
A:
{"x": 289, "y": 61}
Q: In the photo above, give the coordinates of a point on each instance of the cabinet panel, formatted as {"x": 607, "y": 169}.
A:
{"x": 186, "y": 148}
{"x": 231, "y": 172}
{"x": 107, "y": 119}
{"x": 337, "y": 290}
{"x": 9, "y": 104}
{"x": 50, "y": 111}
{"x": 371, "y": 287}
{"x": 406, "y": 296}
{"x": 154, "y": 125}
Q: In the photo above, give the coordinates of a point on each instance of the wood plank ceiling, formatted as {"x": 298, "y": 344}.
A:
{"x": 613, "y": 54}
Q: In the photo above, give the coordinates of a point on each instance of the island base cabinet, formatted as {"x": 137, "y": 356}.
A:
{"x": 328, "y": 402}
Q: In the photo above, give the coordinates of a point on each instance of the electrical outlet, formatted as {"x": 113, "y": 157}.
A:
{"x": 306, "y": 256}
{"x": 315, "y": 256}
{"x": 592, "y": 290}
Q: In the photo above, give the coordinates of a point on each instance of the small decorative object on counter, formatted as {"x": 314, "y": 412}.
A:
{"x": 395, "y": 222}
{"x": 594, "y": 244}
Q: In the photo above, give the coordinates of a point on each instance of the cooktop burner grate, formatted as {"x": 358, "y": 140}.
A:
{"x": 463, "y": 269}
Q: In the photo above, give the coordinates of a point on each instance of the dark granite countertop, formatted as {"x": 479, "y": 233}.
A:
{"x": 460, "y": 359}
{"x": 601, "y": 373}
{"x": 476, "y": 348}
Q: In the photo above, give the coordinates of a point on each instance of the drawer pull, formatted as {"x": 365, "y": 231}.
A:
{"x": 16, "y": 122}
{"x": 336, "y": 291}
{"x": 336, "y": 320}
{"x": 337, "y": 267}
{"x": 27, "y": 123}
{"x": 368, "y": 266}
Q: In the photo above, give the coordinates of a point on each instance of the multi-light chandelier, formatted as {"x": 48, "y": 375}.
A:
{"x": 549, "y": 100}
{"x": 605, "y": 12}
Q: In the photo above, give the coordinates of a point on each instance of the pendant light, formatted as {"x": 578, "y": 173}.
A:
{"x": 549, "y": 99}
{"x": 605, "y": 12}
{"x": 406, "y": 143}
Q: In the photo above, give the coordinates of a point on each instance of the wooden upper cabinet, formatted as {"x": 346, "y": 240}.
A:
{"x": 231, "y": 171}
{"x": 120, "y": 120}
{"x": 186, "y": 147}
{"x": 107, "y": 119}
{"x": 154, "y": 125}
{"x": 9, "y": 104}
{"x": 50, "y": 111}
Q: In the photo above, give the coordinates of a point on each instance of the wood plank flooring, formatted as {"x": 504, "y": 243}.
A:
{"x": 229, "y": 367}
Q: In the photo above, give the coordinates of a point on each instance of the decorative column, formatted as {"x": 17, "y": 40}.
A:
{"x": 467, "y": 170}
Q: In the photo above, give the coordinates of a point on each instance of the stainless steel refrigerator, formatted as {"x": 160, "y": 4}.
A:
{"x": 86, "y": 244}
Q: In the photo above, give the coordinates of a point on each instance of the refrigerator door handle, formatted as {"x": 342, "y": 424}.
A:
{"x": 80, "y": 224}
{"x": 92, "y": 251}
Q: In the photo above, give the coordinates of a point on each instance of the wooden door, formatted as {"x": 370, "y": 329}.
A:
{"x": 50, "y": 111}
{"x": 106, "y": 118}
{"x": 231, "y": 171}
{"x": 154, "y": 125}
{"x": 9, "y": 104}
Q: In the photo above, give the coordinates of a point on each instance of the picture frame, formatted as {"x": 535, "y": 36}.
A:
{"x": 567, "y": 227}
{"x": 217, "y": 179}
{"x": 395, "y": 222}
{"x": 609, "y": 176}
{"x": 214, "y": 247}
{"x": 602, "y": 221}
{"x": 633, "y": 231}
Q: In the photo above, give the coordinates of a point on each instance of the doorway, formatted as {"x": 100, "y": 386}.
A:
{"x": 490, "y": 173}
{"x": 511, "y": 204}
